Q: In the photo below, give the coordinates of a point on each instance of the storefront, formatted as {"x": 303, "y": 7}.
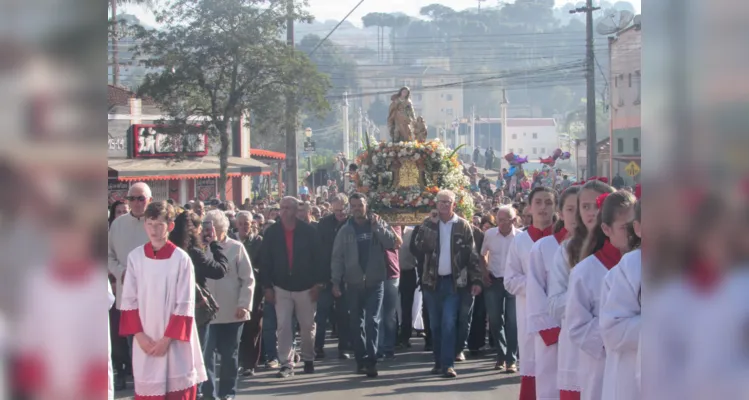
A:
{"x": 176, "y": 167}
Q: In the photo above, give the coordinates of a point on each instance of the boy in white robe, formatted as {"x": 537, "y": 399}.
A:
{"x": 158, "y": 304}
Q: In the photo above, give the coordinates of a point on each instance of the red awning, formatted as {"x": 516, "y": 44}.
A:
{"x": 186, "y": 176}
{"x": 260, "y": 153}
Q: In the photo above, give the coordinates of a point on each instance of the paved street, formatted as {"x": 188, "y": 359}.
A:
{"x": 408, "y": 375}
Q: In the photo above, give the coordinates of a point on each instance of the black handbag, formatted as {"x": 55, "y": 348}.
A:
{"x": 206, "y": 307}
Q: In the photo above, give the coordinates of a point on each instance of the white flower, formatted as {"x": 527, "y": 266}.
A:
{"x": 425, "y": 201}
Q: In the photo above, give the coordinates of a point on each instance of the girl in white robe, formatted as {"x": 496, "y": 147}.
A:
{"x": 542, "y": 202}
{"x": 603, "y": 249}
{"x": 158, "y": 305}
{"x": 620, "y": 323}
{"x": 567, "y": 256}
{"x": 541, "y": 323}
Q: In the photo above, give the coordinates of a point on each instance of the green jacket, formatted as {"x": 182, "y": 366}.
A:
{"x": 345, "y": 261}
{"x": 464, "y": 257}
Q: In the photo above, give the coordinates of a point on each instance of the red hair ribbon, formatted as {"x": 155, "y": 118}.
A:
{"x": 638, "y": 191}
{"x": 600, "y": 199}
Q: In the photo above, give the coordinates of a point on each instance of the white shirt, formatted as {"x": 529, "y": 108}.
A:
{"x": 445, "y": 264}
{"x": 496, "y": 245}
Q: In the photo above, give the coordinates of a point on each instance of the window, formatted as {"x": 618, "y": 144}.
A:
{"x": 636, "y": 145}
{"x": 449, "y": 111}
{"x": 630, "y": 80}
{"x": 449, "y": 97}
{"x": 535, "y": 135}
{"x": 638, "y": 85}
{"x": 535, "y": 150}
{"x": 543, "y": 150}
{"x": 620, "y": 145}
{"x": 514, "y": 135}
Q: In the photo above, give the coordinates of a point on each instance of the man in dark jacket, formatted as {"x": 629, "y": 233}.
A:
{"x": 250, "y": 344}
{"x": 328, "y": 229}
{"x": 292, "y": 275}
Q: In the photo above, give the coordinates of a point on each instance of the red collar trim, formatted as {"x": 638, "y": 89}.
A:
{"x": 163, "y": 253}
{"x": 703, "y": 277}
{"x": 561, "y": 235}
{"x": 536, "y": 233}
{"x": 609, "y": 255}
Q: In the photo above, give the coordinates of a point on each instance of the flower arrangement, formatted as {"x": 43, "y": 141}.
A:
{"x": 439, "y": 168}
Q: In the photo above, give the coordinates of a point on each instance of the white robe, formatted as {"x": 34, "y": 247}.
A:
{"x": 160, "y": 293}
{"x": 539, "y": 318}
{"x": 110, "y": 382}
{"x": 620, "y": 327}
{"x": 516, "y": 270}
{"x": 568, "y": 354}
{"x": 583, "y": 309}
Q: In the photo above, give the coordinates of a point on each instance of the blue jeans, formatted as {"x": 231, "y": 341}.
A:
{"x": 224, "y": 339}
{"x": 389, "y": 331}
{"x": 500, "y": 309}
{"x": 365, "y": 305}
{"x": 464, "y": 318}
{"x": 269, "y": 340}
{"x": 443, "y": 304}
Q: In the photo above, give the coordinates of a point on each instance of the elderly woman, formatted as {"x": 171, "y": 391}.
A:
{"x": 233, "y": 293}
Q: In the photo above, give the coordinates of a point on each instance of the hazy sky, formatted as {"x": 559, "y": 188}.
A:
{"x": 337, "y": 9}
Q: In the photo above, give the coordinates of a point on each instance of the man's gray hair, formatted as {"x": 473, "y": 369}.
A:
{"x": 244, "y": 214}
{"x": 340, "y": 198}
{"x": 143, "y": 186}
{"x": 220, "y": 222}
{"x": 446, "y": 193}
{"x": 509, "y": 209}
{"x": 291, "y": 199}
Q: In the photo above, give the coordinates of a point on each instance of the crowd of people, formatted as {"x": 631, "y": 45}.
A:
{"x": 264, "y": 284}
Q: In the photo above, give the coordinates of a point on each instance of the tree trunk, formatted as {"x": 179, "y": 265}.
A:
{"x": 223, "y": 158}
{"x": 115, "y": 40}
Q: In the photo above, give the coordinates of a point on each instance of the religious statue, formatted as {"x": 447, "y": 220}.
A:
{"x": 420, "y": 130}
{"x": 401, "y": 116}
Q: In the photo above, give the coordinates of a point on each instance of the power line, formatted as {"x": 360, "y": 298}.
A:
{"x": 335, "y": 27}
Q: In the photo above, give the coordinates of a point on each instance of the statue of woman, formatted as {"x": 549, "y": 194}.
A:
{"x": 401, "y": 116}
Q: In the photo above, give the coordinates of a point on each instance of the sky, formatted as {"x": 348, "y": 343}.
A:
{"x": 337, "y": 9}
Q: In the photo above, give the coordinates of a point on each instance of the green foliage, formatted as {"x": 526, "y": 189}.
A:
{"x": 218, "y": 59}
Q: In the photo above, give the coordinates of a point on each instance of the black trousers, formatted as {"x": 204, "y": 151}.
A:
{"x": 121, "y": 361}
{"x": 407, "y": 288}
{"x": 477, "y": 333}
{"x": 250, "y": 344}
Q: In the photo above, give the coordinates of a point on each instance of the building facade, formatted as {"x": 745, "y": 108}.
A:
{"x": 626, "y": 90}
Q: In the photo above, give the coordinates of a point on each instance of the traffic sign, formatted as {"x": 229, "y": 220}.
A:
{"x": 309, "y": 146}
{"x": 632, "y": 169}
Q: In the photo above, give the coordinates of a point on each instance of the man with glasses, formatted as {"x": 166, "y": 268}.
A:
{"x": 125, "y": 234}
{"x": 451, "y": 269}
{"x": 500, "y": 304}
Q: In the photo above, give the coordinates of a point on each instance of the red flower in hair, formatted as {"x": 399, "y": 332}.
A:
{"x": 600, "y": 199}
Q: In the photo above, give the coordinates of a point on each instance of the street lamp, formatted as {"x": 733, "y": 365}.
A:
{"x": 308, "y": 133}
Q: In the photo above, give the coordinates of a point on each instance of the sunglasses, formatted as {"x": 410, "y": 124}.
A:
{"x": 134, "y": 198}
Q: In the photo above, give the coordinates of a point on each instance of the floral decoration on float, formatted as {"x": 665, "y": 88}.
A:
{"x": 402, "y": 179}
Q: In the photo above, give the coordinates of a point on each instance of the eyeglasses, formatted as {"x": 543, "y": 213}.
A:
{"x": 134, "y": 198}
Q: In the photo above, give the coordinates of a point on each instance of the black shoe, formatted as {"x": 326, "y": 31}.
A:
{"x": 499, "y": 366}
{"x": 361, "y": 369}
{"x": 436, "y": 370}
{"x": 319, "y": 354}
{"x": 372, "y": 371}
{"x": 248, "y": 372}
{"x": 120, "y": 383}
{"x": 475, "y": 353}
{"x": 427, "y": 347}
{"x": 285, "y": 372}
{"x": 342, "y": 355}
{"x": 309, "y": 367}
{"x": 380, "y": 357}
{"x": 389, "y": 356}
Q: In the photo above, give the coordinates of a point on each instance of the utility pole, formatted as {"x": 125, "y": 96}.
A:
{"x": 292, "y": 181}
{"x": 360, "y": 129}
{"x": 590, "y": 121}
{"x": 346, "y": 132}
{"x": 503, "y": 138}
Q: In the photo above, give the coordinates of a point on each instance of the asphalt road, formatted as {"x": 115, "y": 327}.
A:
{"x": 405, "y": 377}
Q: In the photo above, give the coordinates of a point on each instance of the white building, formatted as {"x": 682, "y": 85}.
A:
{"x": 535, "y": 138}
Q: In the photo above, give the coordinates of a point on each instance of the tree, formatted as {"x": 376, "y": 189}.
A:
{"x": 378, "y": 112}
{"x": 380, "y": 20}
{"x": 220, "y": 59}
